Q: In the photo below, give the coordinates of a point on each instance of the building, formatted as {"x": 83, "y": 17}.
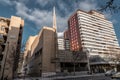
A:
{"x": 61, "y": 43}
{"x": 67, "y": 40}
{"x": 41, "y": 59}
{"x": 93, "y": 33}
{"x": 20, "y": 64}
{"x": 43, "y": 53}
{"x": 10, "y": 42}
{"x": 27, "y": 53}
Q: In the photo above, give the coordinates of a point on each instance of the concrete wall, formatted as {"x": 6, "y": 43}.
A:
{"x": 12, "y": 47}
{"x": 43, "y": 50}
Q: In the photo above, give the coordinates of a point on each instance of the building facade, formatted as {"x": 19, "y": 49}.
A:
{"x": 27, "y": 53}
{"x": 20, "y": 64}
{"x": 43, "y": 52}
{"x": 61, "y": 44}
{"x": 93, "y": 33}
{"x": 10, "y": 42}
{"x": 67, "y": 40}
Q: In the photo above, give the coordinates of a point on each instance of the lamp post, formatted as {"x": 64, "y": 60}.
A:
{"x": 2, "y": 75}
{"x": 88, "y": 59}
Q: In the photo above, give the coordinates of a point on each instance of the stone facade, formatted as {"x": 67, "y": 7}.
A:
{"x": 11, "y": 36}
{"x": 43, "y": 50}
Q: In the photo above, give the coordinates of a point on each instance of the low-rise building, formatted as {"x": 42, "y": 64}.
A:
{"x": 43, "y": 50}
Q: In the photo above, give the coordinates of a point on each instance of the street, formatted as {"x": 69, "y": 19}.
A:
{"x": 83, "y": 77}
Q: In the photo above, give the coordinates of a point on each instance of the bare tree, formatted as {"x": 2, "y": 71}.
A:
{"x": 110, "y": 6}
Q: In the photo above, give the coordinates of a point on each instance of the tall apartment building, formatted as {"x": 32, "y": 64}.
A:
{"x": 93, "y": 33}
{"x": 10, "y": 42}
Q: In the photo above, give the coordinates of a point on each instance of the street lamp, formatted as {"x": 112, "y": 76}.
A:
{"x": 88, "y": 59}
{"x": 2, "y": 75}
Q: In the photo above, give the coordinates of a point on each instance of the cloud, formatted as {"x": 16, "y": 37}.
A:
{"x": 40, "y": 17}
{"x": 114, "y": 21}
{"x": 42, "y": 2}
{"x": 87, "y": 5}
{"x": 6, "y": 2}
{"x": 107, "y": 15}
{"x": 35, "y": 15}
{"x": 60, "y": 34}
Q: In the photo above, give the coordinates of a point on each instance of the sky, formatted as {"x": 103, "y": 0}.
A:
{"x": 38, "y": 13}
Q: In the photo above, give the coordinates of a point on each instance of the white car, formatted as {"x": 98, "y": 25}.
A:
{"x": 110, "y": 73}
{"x": 116, "y": 75}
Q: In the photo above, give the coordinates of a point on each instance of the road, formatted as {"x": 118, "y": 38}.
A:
{"x": 83, "y": 77}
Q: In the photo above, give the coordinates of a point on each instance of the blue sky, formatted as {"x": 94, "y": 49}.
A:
{"x": 38, "y": 13}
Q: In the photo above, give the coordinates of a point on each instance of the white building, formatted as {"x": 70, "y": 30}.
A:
{"x": 91, "y": 31}
{"x": 61, "y": 44}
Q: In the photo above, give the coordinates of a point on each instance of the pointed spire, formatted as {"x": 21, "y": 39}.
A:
{"x": 54, "y": 19}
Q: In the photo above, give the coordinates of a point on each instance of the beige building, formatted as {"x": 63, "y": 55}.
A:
{"x": 40, "y": 53}
{"x": 20, "y": 64}
{"x": 27, "y": 53}
{"x": 43, "y": 51}
{"x": 10, "y": 41}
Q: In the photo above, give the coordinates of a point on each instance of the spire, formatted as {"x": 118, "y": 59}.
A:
{"x": 54, "y": 19}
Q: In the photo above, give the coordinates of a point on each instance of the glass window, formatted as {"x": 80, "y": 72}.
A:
{"x": 2, "y": 28}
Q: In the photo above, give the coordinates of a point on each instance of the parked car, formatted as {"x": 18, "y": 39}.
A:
{"x": 116, "y": 75}
{"x": 110, "y": 73}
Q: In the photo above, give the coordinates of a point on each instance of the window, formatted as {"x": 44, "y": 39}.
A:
{"x": 2, "y": 28}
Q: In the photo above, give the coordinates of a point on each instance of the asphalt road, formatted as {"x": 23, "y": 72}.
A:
{"x": 83, "y": 77}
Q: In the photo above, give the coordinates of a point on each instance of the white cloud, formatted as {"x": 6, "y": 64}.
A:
{"x": 60, "y": 34}
{"x": 107, "y": 15}
{"x": 43, "y": 2}
{"x": 44, "y": 17}
{"x": 40, "y": 17}
{"x": 87, "y": 5}
{"x": 114, "y": 21}
{"x": 6, "y": 2}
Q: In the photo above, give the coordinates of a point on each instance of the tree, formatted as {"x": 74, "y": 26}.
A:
{"x": 78, "y": 56}
{"x": 110, "y": 6}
